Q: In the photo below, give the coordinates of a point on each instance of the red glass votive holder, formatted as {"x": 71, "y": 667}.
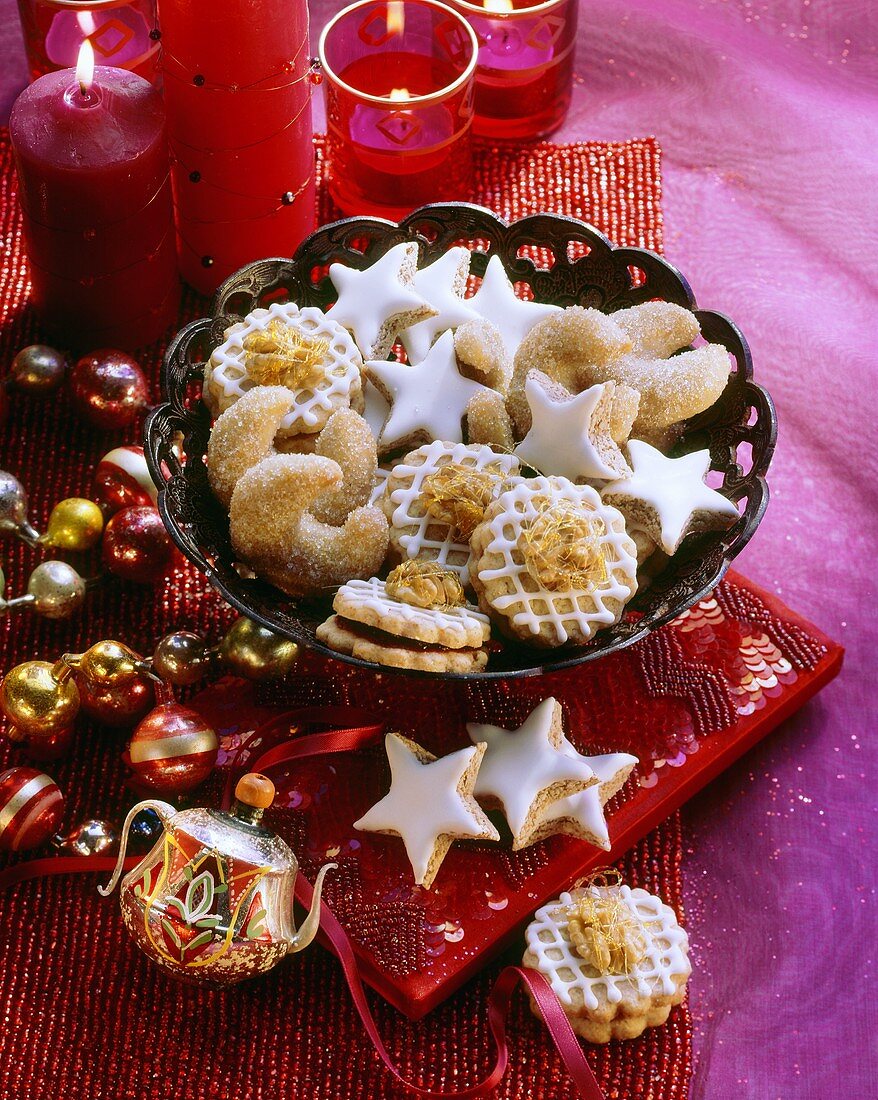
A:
{"x": 524, "y": 76}
{"x": 123, "y": 33}
{"x": 399, "y": 105}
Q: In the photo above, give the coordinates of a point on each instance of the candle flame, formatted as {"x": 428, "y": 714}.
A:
{"x": 395, "y": 17}
{"x": 398, "y": 94}
{"x": 499, "y": 5}
{"x": 85, "y": 66}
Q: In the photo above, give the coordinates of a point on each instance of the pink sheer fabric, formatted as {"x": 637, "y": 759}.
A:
{"x": 768, "y": 117}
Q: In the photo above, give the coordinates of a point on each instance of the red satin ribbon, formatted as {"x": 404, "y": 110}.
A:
{"x": 349, "y": 739}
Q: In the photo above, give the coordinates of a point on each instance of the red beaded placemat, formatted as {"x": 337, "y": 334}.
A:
{"x": 84, "y": 1015}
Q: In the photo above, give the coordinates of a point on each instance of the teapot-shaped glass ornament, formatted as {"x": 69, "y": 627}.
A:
{"x": 212, "y": 902}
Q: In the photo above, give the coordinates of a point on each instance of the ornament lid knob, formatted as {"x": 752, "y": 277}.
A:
{"x": 255, "y": 791}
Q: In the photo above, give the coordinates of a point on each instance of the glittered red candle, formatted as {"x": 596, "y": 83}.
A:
{"x": 93, "y": 186}
{"x": 524, "y": 76}
{"x": 238, "y": 81}
{"x": 398, "y": 83}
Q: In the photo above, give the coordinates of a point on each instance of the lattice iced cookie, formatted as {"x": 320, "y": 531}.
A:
{"x": 302, "y": 349}
{"x": 616, "y": 958}
{"x": 435, "y": 497}
{"x": 368, "y": 602}
{"x": 551, "y": 563}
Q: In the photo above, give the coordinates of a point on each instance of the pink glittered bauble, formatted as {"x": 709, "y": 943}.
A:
{"x": 31, "y": 808}
{"x": 122, "y": 480}
{"x": 172, "y": 750}
{"x": 108, "y": 388}
{"x": 137, "y": 546}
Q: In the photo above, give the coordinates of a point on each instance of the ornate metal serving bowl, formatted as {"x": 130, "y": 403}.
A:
{"x": 564, "y": 261}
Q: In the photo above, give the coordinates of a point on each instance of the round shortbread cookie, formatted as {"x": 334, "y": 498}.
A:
{"x": 414, "y": 533}
{"x": 603, "y": 1005}
{"x": 227, "y": 376}
{"x": 522, "y": 606}
{"x": 455, "y": 627}
{"x": 336, "y": 634}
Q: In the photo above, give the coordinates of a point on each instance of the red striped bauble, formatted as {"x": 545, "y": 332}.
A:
{"x": 31, "y": 808}
{"x": 172, "y": 750}
{"x": 122, "y": 480}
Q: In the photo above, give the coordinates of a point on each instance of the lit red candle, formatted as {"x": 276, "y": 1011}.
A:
{"x": 524, "y": 76}
{"x": 399, "y": 105}
{"x": 92, "y": 161}
{"x": 238, "y": 82}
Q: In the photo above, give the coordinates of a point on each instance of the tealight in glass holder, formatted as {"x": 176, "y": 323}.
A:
{"x": 399, "y": 105}
{"x": 123, "y": 33}
{"x": 524, "y": 76}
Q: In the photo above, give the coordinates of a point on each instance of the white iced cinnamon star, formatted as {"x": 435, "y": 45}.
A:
{"x": 570, "y": 435}
{"x": 497, "y": 301}
{"x": 430, "y": 804}
{"x": 526, "y": 769}
{"x": 667, "y": 497}
{"x": 442, "y": 284}
{"x": 377, "y": 302}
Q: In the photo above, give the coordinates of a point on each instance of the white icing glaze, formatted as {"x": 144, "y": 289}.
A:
{"x": 429, "y": 397}
{"x": 673, "y": 487}
{"x": 586, "y": 808}
{"x": 496, "y": 301}
{"x": 342, "y": 365}
{"x": 371, "y": 593}
{"x": 665, "y": 959}
{"x": 376, "y": 408}
{"x": 424, "y": 803}
{"x": 587, "y": 609}
{"x": 374, "y": 297}
{"x": 559, "y": 440}
{"x": 519, "y": 765}
{"x": 381, "y": 476}
{"x": 438, "y": 284}
{"x": 409, "y": 511}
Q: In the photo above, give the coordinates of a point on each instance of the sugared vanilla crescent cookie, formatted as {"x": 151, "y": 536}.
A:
{"x": 435, "y": 497}
{"x": 616, "y": 958}
{"x": 551, "y": 563}
{"x": 302, "y": 349}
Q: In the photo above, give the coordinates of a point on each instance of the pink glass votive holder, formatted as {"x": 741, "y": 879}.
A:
{"x": 524, "y": 76}
{"x": 399, "y": 105}
{"x": 123, "y": 33}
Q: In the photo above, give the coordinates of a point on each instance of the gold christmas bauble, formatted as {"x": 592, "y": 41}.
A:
{"x": 107, "y": 663}
{"x": 74, "y": 524}
{"x": 256, "y": 653}
{"x": 181, "y": 658}
{"x": 35, "y": 701}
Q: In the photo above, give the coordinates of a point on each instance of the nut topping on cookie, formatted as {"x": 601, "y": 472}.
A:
{"x": 425, "y": 584}
{"x": 281, "y": 355}
{"x": 458, "y": 495}
{"x": 562, "y": 547}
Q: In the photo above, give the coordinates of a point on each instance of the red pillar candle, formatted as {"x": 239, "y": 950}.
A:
{"x": 399, "y": 105}
{"x": 238, "y": 81}
{"x": 95, "y": 196}
{"x": 524, "y": 77}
